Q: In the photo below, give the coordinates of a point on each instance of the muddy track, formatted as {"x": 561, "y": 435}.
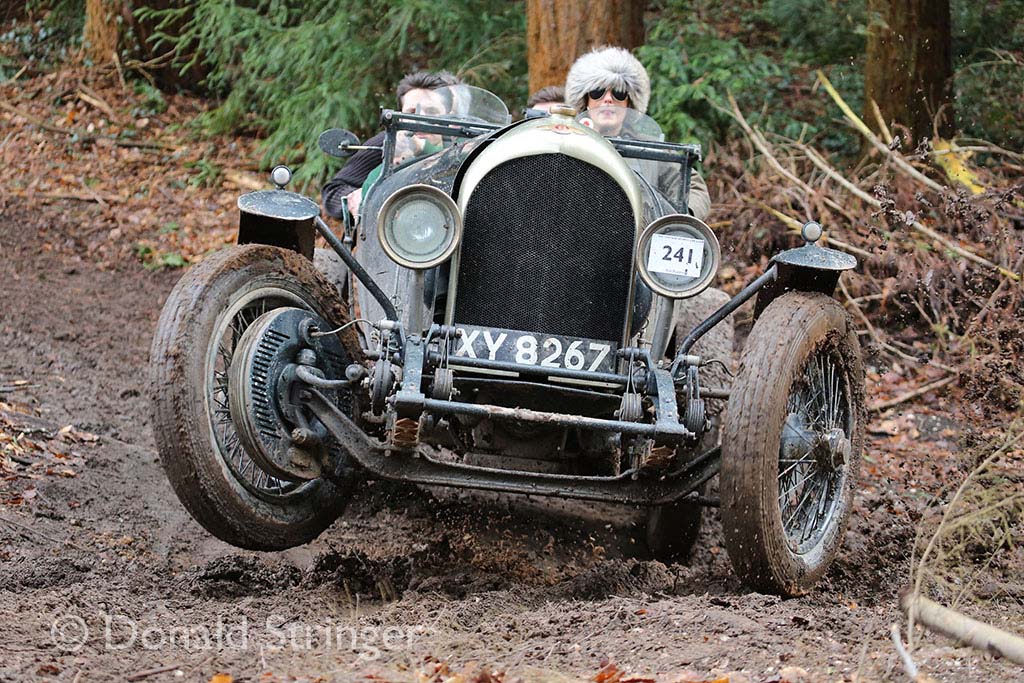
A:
{"x": 404, "y": 579}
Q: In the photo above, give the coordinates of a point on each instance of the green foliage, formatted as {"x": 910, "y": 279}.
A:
{"x": 990, "y": 98}
{"x": 768, "y": 63}
{"x": 204, "y": 173}
{"x": 158, "y": 260}
{"x": 818, "y": 31}
{"x": 151, "y": 101}
{"x": 692, "y": 68}
{"x": 979, "y": 27}
{"x": 290, "y": 69}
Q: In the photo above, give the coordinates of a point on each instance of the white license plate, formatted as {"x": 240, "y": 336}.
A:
{"x": 675, "y": 255}
{"x": 527, "y": 348}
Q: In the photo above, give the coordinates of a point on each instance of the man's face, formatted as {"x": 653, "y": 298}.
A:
{"x": 428, "y": 103}
{"x": 608, "y": 111}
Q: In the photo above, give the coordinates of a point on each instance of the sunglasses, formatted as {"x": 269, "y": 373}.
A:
{"x": 618, "y": 95}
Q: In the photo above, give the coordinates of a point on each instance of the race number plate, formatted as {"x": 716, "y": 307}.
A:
{"x": 527, "y": 348}
{"x": 675, "y": 255}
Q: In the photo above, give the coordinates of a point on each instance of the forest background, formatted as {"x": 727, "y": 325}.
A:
{"x": 129, "y": 129}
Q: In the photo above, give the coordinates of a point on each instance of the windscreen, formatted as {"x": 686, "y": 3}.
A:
{"x": 463, "y": 102}
{"x": 662, "y": 177}
{"x": 621, "y": 122}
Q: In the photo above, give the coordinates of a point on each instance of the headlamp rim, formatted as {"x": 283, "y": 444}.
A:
{"x": 697, "y": 225}
{"x": 431, "y": 193}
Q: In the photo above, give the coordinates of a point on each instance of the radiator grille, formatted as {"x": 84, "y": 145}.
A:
{"x": 548, "y": 248}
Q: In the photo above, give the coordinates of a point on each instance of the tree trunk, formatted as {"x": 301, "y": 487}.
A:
{"x": 909, "y": 67}
{"x": 559, "y": 31}
{"x": 102, "y": 32}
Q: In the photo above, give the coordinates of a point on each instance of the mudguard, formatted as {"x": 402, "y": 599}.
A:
{"x": 809, "y": 268}
{"x": 279, "y": 218}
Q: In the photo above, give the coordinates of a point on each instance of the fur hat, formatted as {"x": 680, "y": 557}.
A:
{"x": 608, "y": 67}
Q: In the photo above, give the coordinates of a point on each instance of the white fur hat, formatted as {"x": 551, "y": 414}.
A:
{"x": 608, "y": 67}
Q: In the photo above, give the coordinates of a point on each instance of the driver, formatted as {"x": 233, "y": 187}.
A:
{"x": 608, "y": 80}
{"x": 344, "y": 191}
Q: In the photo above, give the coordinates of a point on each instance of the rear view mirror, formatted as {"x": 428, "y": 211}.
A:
{"x": 337, "y": 142}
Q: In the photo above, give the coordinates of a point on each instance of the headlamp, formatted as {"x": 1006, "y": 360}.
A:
{"x": 419, "y": 227}
{"x": 678, "y": 256}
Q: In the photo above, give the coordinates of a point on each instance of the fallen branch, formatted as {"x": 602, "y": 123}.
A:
{"x": 910, "y": 395}
{"x": 943, "y": 241}
{"x": 898, "y": 159}
{"x": 90, "y": 196}
{"x": 93, "y": 98}
{"x": 908, "y": 662}
{"x": 964, "y": 629}
{"x": 245, "y": 181}
{"x": 915, "y": 591}
{"x": 40, "y": 534}
{"x": 880, "y": 120}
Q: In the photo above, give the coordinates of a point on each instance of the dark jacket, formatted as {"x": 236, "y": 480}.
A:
{"x": 351, "y": 177}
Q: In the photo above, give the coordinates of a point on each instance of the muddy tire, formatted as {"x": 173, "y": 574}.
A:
{"x": 202, "y": 320}
{"x": 791, "y": 444}
{"x": 672, "y": 530}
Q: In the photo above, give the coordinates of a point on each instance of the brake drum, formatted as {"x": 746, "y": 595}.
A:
{"x": 283, "y": 438}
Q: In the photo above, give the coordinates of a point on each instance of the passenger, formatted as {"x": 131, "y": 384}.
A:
{"x": 344, "y": 190}
{"x": 545, "y": 98}
{"x": 610, "y": 78}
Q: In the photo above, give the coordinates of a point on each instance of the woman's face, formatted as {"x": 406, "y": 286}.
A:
{"x": 608, "y": 110}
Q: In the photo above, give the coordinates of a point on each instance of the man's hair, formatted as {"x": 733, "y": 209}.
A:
{"x": 425, "y": 80}
{"x": 551, "y": 93}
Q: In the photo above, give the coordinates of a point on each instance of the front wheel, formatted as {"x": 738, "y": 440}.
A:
{"x": 205, "y": 317}
{"x": 791, "y": 444}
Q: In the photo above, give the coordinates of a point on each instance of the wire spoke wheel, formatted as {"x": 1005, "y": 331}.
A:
{"x": 198, "y": 335}
{"x": 791, "y": 444}
{"x": 814, "y": 448}
{"x": 234, "y": 322}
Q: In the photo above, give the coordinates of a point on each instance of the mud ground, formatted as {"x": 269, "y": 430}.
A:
{"x": 103, "y": 576}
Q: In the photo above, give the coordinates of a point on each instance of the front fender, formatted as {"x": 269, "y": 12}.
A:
{"x": 809, "y": 268}
{"x": 279, "y": 218}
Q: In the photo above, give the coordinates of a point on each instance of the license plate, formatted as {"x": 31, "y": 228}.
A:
{"x": 527, "y": 348}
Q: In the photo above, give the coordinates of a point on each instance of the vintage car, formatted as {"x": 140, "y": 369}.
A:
{"x": 506, "y": 317}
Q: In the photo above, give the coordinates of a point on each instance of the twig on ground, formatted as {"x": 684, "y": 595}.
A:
{"x": 915, "y": 591}
{"x": 17, "y": 75}
{"x": 910, "y": 395}
{"x": 93, "y": 98}
{"x": 880, "y": 120}
{"x": 908, "y": 663}
{"x": 964, "y": 629}
{"x": 92, "y": 196}
{"x": 139, "y": 675}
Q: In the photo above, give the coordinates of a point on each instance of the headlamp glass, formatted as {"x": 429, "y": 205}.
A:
{"x": 419, "y": 226}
